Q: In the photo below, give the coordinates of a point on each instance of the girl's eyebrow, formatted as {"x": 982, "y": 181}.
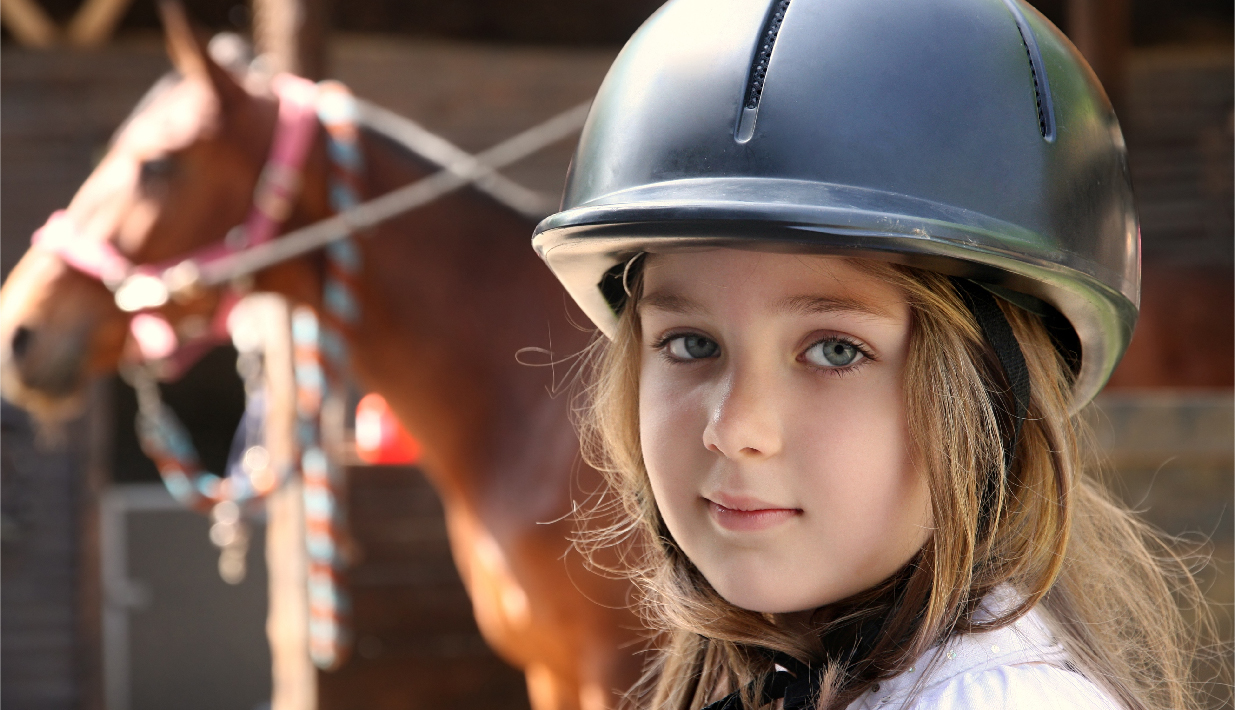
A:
{"x": 670, "y": 303}
{"x": 810, "y": 304}
{"x": 795, "y": 305}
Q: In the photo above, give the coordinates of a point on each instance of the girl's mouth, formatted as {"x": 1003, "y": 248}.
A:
{"x": 749, "y": 517}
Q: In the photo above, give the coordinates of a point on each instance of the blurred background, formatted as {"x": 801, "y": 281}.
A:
{"x": 109, "y": 595}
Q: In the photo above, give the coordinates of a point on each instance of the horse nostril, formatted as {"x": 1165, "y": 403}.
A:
{"x": 22, "y": 338}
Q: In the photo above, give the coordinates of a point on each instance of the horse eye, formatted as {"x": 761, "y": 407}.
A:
{"x": 157, "y": 169}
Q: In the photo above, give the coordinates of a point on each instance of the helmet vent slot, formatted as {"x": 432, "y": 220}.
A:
{"x": 1037, "y": 70}
{"x": 759, "y": 70}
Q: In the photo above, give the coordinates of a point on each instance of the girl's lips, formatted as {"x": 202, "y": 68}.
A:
{"x": 749, "y": 518}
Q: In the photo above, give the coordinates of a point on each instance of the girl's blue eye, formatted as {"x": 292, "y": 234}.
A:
{"x": 691, "y": 347}
{"x": 832, "y": 353}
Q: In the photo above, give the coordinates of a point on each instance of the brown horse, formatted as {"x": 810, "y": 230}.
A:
{"x": 448, "y": 295}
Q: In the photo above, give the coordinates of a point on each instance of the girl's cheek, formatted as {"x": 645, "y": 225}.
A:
{"x": 657, "y": 422}
{"x": 672, "y": 419}
{"x": 669, "y": 404}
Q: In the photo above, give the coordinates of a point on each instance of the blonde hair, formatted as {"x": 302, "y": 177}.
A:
{"x": 1111, "y": 586}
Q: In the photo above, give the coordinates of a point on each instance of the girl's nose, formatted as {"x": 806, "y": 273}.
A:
{"x": 744, "y": 421}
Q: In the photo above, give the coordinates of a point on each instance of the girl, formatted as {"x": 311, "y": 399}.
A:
{"x": 861, "y": 263}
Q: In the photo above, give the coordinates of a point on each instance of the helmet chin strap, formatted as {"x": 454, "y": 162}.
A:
{"x": 792, "y": 681}
{"x": 998, "y": 332}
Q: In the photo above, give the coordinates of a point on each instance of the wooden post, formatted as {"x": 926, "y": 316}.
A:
{"x": 1102, "y": 31}
{"x": 99, "y": 435}
{"x": 287, "y": 620}
{"x": 291, "y": 35}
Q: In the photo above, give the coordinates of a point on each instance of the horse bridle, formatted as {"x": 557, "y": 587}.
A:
{"x": 143, "y": 288}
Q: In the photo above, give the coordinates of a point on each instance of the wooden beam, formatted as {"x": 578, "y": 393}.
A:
{"x": 94, "y": 22}
{"x": 28, "y": 22}
{"x": 1102, "y": 31}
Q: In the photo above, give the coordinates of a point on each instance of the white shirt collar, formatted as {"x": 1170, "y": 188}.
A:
{"x": 1028, "y": 640}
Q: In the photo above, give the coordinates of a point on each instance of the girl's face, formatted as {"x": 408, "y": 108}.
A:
{"x": 772, "y": 418}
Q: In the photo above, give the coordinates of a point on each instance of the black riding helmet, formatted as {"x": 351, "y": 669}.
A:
{"x": 967, "y": 137}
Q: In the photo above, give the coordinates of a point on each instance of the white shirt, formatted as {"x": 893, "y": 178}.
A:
{"x": 1018, "y": 667}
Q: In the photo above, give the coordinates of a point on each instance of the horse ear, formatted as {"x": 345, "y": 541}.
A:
{"x": 190, "y": 56}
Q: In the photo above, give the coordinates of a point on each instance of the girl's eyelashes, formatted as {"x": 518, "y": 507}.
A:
{"x": 836, "y": 353}
{"x": 684, "y": 347}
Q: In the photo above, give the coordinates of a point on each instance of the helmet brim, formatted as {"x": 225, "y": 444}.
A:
{"x": 584, "y": 243}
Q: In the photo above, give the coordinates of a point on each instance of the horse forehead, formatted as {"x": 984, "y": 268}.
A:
{"x": 184, "y": 114}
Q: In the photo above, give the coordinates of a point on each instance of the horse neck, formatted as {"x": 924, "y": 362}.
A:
{"x": 450, "y": 293}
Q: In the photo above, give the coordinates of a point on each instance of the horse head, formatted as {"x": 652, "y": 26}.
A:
{"x": 179, "y": 175}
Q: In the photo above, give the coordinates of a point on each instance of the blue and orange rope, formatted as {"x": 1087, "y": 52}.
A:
{"x": 321, "y": 365}
{"x": 324, "y": 490}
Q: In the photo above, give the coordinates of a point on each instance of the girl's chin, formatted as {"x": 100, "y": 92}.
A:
{"x": 765, "y": 605}
{"x": 764, "y": 598}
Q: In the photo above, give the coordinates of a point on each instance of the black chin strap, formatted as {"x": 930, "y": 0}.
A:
{"x": 792, "y": 680}
{"x": 998, "y": 333}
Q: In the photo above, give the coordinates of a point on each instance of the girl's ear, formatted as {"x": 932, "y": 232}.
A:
{"x": 191, "y": 58}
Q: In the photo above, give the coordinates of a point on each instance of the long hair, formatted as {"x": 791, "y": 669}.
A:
{"x": 1110, "y": 586}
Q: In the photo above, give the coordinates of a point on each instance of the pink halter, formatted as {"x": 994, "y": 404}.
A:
{"x": 273, "y": 200}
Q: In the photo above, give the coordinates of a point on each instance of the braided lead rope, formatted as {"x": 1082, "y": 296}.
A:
{"x": 329, "y": 605}
{"x": 167, "y": 443}
{"x": 225, "y": 498}
{"x": 322, "y": 363}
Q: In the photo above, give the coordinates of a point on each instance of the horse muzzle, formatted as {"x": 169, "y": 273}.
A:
{"x": 57, "y": 330}
{"x": 55, "y": 367}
